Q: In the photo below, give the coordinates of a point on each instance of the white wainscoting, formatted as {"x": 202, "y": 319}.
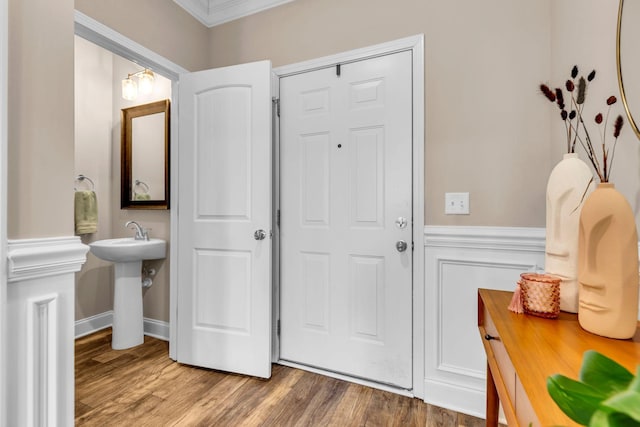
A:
{"x": 458, "y": 261}
{"x": 40, "y": 307}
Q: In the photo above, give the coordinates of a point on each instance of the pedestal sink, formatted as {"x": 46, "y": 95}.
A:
{"x": 128, "y": 254}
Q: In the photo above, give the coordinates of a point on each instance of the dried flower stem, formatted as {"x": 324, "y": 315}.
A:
{"x": 577, "y": 131}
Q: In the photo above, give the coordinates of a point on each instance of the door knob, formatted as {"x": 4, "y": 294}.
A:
{"x": 401, "y": 245}
{"x": 259, "y": 234}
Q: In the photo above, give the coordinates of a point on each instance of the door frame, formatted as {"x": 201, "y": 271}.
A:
{"x": 415, "y": 44}
{"x": 4, "y": 69}
{"x": 109, "y": 39}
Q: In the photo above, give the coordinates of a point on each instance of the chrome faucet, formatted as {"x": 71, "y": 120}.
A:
{"x": 141, "y": 233}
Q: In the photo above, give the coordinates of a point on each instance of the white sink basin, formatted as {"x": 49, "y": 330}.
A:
{"x": 127, "y": 249}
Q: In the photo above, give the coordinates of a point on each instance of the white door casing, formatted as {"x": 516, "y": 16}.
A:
{"x": 4, "y": 65}
{"x": 224, "y": 197}
{"x": 345, "y": 179}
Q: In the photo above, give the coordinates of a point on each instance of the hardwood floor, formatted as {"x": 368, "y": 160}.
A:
{"x": 143, "y": 387}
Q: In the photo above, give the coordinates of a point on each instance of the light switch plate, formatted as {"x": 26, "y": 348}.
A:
{"x": 456, "y": 203}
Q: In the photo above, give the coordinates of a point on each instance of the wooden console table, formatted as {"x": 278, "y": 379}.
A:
{"x": 523, "y": 350}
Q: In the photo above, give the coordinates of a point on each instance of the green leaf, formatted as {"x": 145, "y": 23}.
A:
{"x": 607, "y": 375}
{"x": 578, "y": 400}
{"x": 627, "y": 402}
{"x": 635, "y": 384}
{"x": 599, "y": 419}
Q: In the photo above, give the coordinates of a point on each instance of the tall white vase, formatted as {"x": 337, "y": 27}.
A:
{"x": 570, "y": 182}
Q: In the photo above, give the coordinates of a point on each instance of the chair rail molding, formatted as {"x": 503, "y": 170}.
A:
{"x": 36, "y": 258}
{"x": 458, "y": 261}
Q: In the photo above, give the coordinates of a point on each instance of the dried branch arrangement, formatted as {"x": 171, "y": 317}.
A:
{"x": 576, "y": 129}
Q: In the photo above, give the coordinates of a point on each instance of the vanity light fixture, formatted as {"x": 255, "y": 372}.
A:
{"x": 145, "y": 84}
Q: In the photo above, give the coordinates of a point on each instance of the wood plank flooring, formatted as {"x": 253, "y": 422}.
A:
{"x": 143, "y": 387}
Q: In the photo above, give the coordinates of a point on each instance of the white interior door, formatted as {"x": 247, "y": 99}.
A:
{"x": 224, "y": 219}
{"x": 346, "y": 202}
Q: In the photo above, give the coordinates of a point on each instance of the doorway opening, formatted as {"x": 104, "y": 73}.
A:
{"x": 129, "y": 57}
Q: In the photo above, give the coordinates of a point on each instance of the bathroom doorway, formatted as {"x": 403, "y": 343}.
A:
{"x": 98, "y": 161}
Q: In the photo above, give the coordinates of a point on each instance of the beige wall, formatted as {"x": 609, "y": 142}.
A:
{"x": 40, "y": 117}
{"x": 487, "y": 130}
{"x": 93, "y": 158}
{"x": 159, "y": 25}
{"x": 589, "y": 41}
{"x": 40, "y": 105}
{"x": 155, "y": 298}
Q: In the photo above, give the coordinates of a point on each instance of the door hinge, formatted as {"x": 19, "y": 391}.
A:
{"x": 278, "y": 327}
{"x": 412, "y": 245}
{"x": 276, "y": 103}
{"x": 278, "y": 217}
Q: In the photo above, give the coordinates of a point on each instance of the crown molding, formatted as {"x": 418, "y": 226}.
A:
{"x": 215, "y": 12}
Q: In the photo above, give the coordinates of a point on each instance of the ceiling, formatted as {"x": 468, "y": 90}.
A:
{"x": 216, "y": 12}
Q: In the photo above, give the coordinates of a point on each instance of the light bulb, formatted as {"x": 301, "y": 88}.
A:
{"x": 129, "y": 89}
{"x": 146, "y": 82}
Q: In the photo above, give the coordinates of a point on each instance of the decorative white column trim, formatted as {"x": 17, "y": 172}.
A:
{"x": 35, "y": 258}
{"x": 42, "y": 353}
{"x": 40, "y": 306}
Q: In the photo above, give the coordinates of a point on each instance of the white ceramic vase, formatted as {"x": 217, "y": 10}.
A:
{"x": 570, "y": 183}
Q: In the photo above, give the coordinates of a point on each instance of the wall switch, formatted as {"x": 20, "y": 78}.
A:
{"x": 456, "y": 203}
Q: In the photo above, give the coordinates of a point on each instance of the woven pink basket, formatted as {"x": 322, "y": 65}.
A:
{"x": 540, "y": 294}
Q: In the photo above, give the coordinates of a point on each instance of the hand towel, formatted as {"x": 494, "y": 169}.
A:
{"x": 141, "y": 196}
{"x": 86, "y": 212}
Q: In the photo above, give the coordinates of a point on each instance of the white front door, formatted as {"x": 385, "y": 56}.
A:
{"x": 346, "y": 202}
{"x": 224, "y": 219}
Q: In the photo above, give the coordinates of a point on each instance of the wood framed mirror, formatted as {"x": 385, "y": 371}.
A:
{"x": 628, "y": 62}
{"x": 145, "y": 156}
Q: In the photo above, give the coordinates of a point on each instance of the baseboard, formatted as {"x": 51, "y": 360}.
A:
{"x": 446, "y": 395}
{"x": 443, "y": 394}
{"x": 89, "y": 325}
{"x": 152, "y": 327}
{"x": 156, "y": 328}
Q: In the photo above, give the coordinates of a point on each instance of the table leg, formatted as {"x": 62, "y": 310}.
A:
{"x": 493, "y": 401}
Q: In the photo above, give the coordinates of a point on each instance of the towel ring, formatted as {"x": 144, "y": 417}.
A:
{"x": 142, "y": 185}
{"x": 81, "y": 178}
